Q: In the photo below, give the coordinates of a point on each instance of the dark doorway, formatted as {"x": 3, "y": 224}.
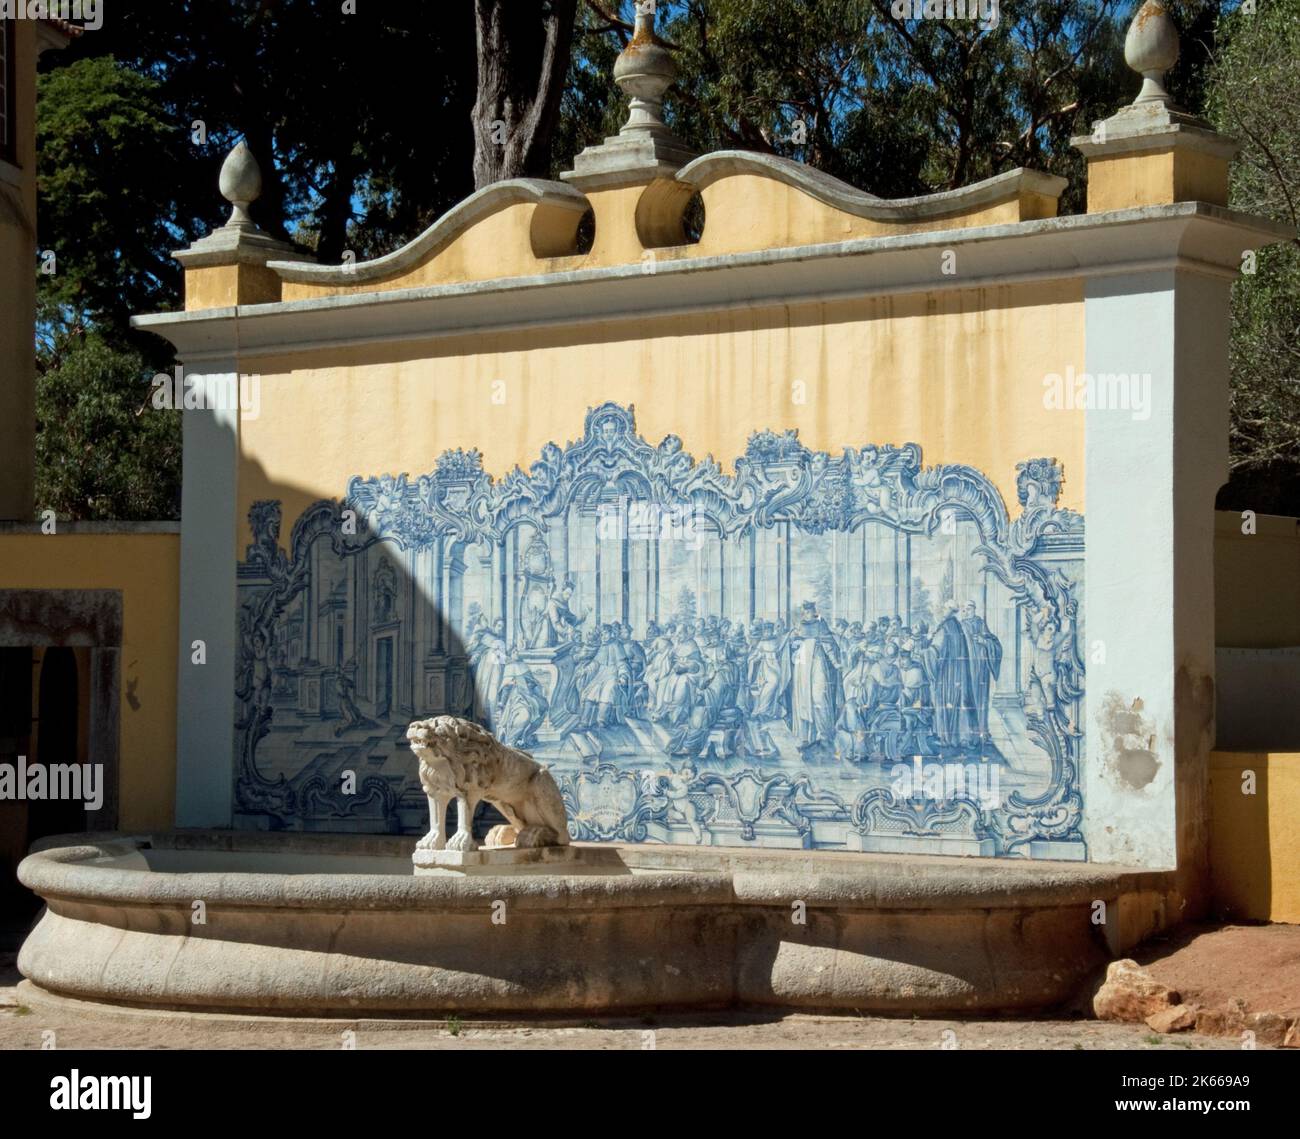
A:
{"x": 17, "y": 905}
{"x": 59, "y": 685}
{"x": 57, "y": 725}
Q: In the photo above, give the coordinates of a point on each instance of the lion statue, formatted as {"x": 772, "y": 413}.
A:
{"x": 460, "y": 760}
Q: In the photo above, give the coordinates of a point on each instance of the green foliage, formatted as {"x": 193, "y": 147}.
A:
{"x": 361, "y": 126}
{"x": 894, "y": 107}
{"x": 1255, "y": 86}
{"x": 102, "y": 450}
{"x": 592, "y": 107}
{"x": 110, "y": 205}
{"x": 361, "y": 121}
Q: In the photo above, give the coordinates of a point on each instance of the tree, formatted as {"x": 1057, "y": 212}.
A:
{"x": 1254, "y": 88}
{"x": 895, "y": 107}
{"x": 359, "y": 120}
{"x": 523, "y": 59}
{"x": 370, "y": 124}
{"x": 101, "y": 450}
{"x": 109, "y": 218}
{"x": 134, "y": 122}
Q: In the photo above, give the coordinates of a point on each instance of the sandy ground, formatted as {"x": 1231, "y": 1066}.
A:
{"x": 729, "y": 1032}
{"x": 1258, "y": 964}
{"x": 1213, "y": 965}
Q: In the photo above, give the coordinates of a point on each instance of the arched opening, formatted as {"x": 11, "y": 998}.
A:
{"x": 585, "y": 238}
{"x": 669, "y": 213}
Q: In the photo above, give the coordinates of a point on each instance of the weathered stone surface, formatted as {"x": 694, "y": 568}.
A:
{"x": 72, "y": 617}
{"x": 1233, "y": 1020}
{"x": 1131, "y": 994}
{"x": 1179, "y": 1018}
{"x": 462, "y": 762}
{"x": 1211, "y": 1022}
{"x": 509, "y": 860}
{"x": 503, "y": 834}
{"x": 1292, "y": 1038}
{"x": 1235, "y": 1017}
{"x": 1268, "y": 1027}
{"x": 664, "y": 927}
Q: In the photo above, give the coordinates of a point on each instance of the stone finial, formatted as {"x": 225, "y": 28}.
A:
{"x": 644, "y": 148}
{"x": 1129, "y": 163}
{"x": 240, "y": 242}
{"x": 645, "y": 69}
{"x": 1151, "y": 49}
{"x": 241, "y": 185}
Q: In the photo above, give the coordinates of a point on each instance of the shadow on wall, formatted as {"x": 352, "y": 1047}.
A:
{"x": 1257, "y": 631}
{"x": 699, "y": 657}
{"x": 338, "y": 650}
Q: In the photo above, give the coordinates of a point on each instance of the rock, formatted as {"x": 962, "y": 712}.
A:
{"x": 1211, "y": 1022}
{"x": 1177, "y": 1019}
{"x": 1235, "y": 1016}
{"x": 1292, "y": 1038}
{"x": 1268, "y": 1027}
{"x": 1131, "y": 994}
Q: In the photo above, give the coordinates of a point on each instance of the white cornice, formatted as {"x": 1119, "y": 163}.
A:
{"x": 1189, "y": 235}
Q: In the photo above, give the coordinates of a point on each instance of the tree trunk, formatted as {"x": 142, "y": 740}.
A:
{"x": 523, "y": 60}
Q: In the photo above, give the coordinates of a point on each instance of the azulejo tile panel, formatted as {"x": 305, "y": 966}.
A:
{"x": 847, "y": 651}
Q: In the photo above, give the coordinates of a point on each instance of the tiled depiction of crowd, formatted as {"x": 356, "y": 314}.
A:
{"x": 859, "y": 692}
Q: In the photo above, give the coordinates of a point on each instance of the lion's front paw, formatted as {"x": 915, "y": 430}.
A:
{"x": 462, "y": 840}
{"x": 431, "y": 841}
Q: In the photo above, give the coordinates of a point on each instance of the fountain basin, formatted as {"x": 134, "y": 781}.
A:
{"x": 339, "y": 925}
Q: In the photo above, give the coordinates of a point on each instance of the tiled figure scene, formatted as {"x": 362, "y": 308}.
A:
{"x": 845, "y": 651}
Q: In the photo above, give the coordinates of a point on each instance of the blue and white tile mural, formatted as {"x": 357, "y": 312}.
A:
{"x": 844, "y": 651}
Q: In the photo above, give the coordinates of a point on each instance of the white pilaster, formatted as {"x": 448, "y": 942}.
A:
{"x": 205, "y": 713}
{"x": 1152, "y": 475}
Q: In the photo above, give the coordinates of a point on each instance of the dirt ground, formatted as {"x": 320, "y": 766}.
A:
{"x": 1213, "y": 965}
{"x": 1259, "y": 964}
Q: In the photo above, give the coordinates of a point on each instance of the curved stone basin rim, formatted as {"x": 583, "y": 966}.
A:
{"x": 669, "y": 927}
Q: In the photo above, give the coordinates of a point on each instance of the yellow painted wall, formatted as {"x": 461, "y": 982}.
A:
{"x": 1257, "y": 582}
{"x": 223, "y": 286}
{"x": 1158, "y": 177}
{"x": 1255, "y": 839}
{"x": 146, "y": 568}
{"x": 498, "y": 245}
{"x": 744, "y": 212}
{"x": 18, "y": 293}
{"x": 749, "y": 211}
{"x": 960, "y": 373}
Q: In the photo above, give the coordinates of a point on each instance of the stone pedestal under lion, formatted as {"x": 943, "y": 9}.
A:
{"x": 461, "y": 761}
